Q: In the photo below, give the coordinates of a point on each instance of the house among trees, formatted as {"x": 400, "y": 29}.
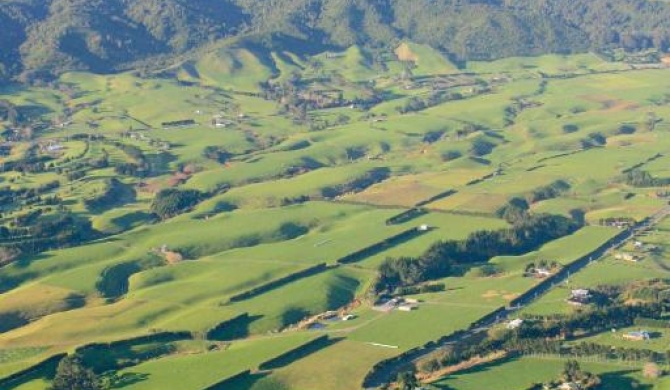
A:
{"x": 640, "y": 335}
{"x": 580, "y": 297}
{"x": 619, "y": 223}
{"x": 542, "y": 270}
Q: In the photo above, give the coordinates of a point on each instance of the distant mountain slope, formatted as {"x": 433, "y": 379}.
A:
{"x": 42, "y": 37}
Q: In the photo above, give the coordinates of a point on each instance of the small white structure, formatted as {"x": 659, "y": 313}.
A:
{"x": 407, "y": 307}
{"x": 514, "y": 323}
{"x": 55, "y": 148}
{"x": 641, "y": 335}
{"x": 424, "y": 228}
{"x": 542, "y": 272}
{"x": 580, "y": 297}
{"x": 348, "y": 317}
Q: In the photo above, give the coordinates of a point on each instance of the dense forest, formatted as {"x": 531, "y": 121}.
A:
{"x": 45, "y": 37}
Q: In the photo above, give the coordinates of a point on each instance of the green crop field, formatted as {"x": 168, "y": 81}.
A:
{"x": 288, "y": 181}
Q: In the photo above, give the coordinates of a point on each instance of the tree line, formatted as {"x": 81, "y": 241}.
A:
{"x": 446, "y": 257}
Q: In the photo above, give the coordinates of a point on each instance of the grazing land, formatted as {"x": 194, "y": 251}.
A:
{"x": 235, "y": 221}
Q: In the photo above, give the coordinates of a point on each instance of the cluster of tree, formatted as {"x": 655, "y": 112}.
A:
{"x": 114, "y": 192}
{"x": 514, "y": 211}
{"x": 550, "y": 191}
{"x": 170, "y": 202}
{"x": 130, "y": 169}
{"x": 415, "y": 103}
{"x": 26, "y": 196}
{"x": 593, "y": 140}
{"x": 50, "y": 231}
{"x": 421, "y": 289}
{"x": 47, "y": 37}
{"x": 640, "y": 178}
{"x": 217, "y": 153}
{"x": 72, "y": 374}
{"x": 443, "y": 257}
{"x": 29, "y": 164}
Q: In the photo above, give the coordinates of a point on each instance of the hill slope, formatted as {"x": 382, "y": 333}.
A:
{"x": 49, "y": 36}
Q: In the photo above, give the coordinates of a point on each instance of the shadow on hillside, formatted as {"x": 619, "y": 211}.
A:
{"x": 616, "y": 380}
{"x": 249, "y": 381}
{"x": 126, "y": 379}
{"x": 237, "y": 328}
{"x": 301, "y": 353}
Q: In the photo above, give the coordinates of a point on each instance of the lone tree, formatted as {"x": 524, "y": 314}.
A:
{"x": 71, "y": 374}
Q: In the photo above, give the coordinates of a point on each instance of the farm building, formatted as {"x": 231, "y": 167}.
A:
{"x": 514, "y": 323}
{"x": 637, "y": 335}
{"x": 542, "y": 272}
{"x": 580, "y": 297}
{"x": 407, "y": 307}
{"x": 628, "y": 257}
{"x": 220, "y": 122}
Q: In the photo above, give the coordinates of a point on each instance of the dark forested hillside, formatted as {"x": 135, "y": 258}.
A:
{"x": 49, "y": 36}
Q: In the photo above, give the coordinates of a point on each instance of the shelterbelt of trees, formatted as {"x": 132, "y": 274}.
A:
{"x": 446, "y": 257}
{"x": 43, "y": 37}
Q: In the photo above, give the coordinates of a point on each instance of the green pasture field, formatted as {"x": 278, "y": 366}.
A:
{"x": 342, "y": 365}
{"x": 512, "y": 374}
{"x": 202, "y": 370}
{"x": 659, "y": 339}
{"x": 247, "y": 232}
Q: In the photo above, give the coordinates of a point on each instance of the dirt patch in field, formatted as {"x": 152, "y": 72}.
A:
{"x": 405, "y": 193}
{"x": 405, "y": 53}
{"x": 173, "y": 257}
{"x": 609, "y": 103}
{"x": 510, "y": 296}
{"x": 491, "y": 294}
{"x": 440, "y": 374}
